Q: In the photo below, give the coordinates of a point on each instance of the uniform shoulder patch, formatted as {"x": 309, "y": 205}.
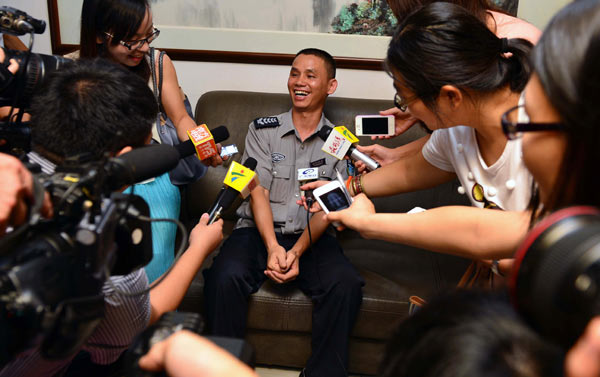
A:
{"x": 266, "y": 122}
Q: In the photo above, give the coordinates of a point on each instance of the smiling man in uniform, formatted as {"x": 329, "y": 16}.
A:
{"x": 271, "y": 238}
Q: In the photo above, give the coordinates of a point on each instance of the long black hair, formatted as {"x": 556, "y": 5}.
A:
{"x": 443, "y": 44}
{"x": 120, "y": 18}
{"x": 478, "y": 8}
{"x": 566, "y": 60}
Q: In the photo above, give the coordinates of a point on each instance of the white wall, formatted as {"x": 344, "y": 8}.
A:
{"x": 37, "y": 9}
{"x": 199, "y": 77}
{"x": 539, "y": 12}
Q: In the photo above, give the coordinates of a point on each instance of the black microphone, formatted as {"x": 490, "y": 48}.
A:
{"x": 227, "y": 195}
{"x": 352, "y": 152}
{"x": 187, "y": 147}
{"x": 140, "y": 164}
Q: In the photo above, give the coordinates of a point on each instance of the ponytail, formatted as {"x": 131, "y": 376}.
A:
{"x": 518, "y": 66}
{"x": 443, "y": 44}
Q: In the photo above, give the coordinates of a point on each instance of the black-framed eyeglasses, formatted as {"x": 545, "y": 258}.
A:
{"x": 400, "y": 103}
{"x": 137, "y": 44}
{"x": 513, "y": 129}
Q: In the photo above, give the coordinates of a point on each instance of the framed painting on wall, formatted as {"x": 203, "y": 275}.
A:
{"x": 356, "y": 32}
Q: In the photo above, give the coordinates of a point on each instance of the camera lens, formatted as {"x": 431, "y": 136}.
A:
{"x": 555, "y": 282}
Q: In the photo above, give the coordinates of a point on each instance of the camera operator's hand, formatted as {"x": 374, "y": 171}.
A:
{"x": 186, "y": 354}
{"x": 16, "y": 191}
{"x": 13, "y": 67}
{"x": 583, "y": 360}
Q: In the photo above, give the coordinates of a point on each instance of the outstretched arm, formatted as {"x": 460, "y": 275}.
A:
{"x": 185, "y": 354}
{"x": 172, "y": 101}
{"x": 386, "y": 156}
{"x": 583, "y": 360}
{"x": 167, "y": 295}
{"x": 470, "y": 232}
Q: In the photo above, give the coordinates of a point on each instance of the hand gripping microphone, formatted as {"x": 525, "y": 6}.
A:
{"x": 339, "y": 142}
{"x": 202, "y": 141}
{"x": 239, "y": 181}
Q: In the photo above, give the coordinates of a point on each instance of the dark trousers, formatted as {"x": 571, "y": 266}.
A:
{"x": 328, "y": 277}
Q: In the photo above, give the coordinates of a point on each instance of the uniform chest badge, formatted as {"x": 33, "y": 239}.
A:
{"x": 277, "y": 157}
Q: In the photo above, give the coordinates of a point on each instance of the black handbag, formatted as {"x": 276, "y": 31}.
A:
{"x": 189, "y": 169}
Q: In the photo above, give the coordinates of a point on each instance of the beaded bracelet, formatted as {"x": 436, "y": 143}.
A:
{"x": 361, "y": 185}
{"x": 356, "y": 185}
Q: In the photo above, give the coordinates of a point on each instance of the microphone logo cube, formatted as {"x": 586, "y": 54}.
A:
{"x": 203, "y": 142}
{"x": 241, "y": 179}
{"x": 339, "y": 141}
{"x": 308, "y": 174}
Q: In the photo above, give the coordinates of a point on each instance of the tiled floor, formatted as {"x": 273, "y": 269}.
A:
{"x": 272, "y": 372}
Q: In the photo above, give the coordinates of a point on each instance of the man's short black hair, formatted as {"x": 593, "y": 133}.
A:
{"x": 327, "y": 58}
{"x": 92, "y": 106}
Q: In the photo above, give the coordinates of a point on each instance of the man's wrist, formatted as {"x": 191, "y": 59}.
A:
{"x": 271, "y": 246}
{"x": 296, "y": 252}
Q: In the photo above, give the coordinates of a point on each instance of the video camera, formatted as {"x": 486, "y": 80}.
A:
{"x": 555, "y": 283}
{"x": 52, "y": 271}
{"x": 18, "y": 89}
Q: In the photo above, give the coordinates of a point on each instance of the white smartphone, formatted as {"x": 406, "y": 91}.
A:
{"x": 333, "y": 197}
{"x": 374, "y": 125}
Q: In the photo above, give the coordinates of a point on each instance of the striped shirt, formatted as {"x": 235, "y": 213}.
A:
{"x": 124, "y": 318}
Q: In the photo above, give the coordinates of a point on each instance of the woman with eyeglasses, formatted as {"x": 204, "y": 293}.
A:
{"x": 458, "y": 78}
{"x": 559, "y": 145}
{"x": 122, "y": 31}
{"x": 502, "y": 24}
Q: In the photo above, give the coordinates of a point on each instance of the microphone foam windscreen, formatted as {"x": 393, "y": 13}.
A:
{"x": 324, "y": 132}
{"x": 250, "y": 163}
{"x": 143, "y": 163}
{"x": 220, "y": 133}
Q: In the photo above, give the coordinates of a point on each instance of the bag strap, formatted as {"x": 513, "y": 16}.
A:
{"x": 160, "y": 76}
{"x": 155, "y": 90}
{"x": 153, "y": 71}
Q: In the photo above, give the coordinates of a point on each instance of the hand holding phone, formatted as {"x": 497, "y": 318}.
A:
{"x": 375, "y": 125}
{"x": 333, "y": 197}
